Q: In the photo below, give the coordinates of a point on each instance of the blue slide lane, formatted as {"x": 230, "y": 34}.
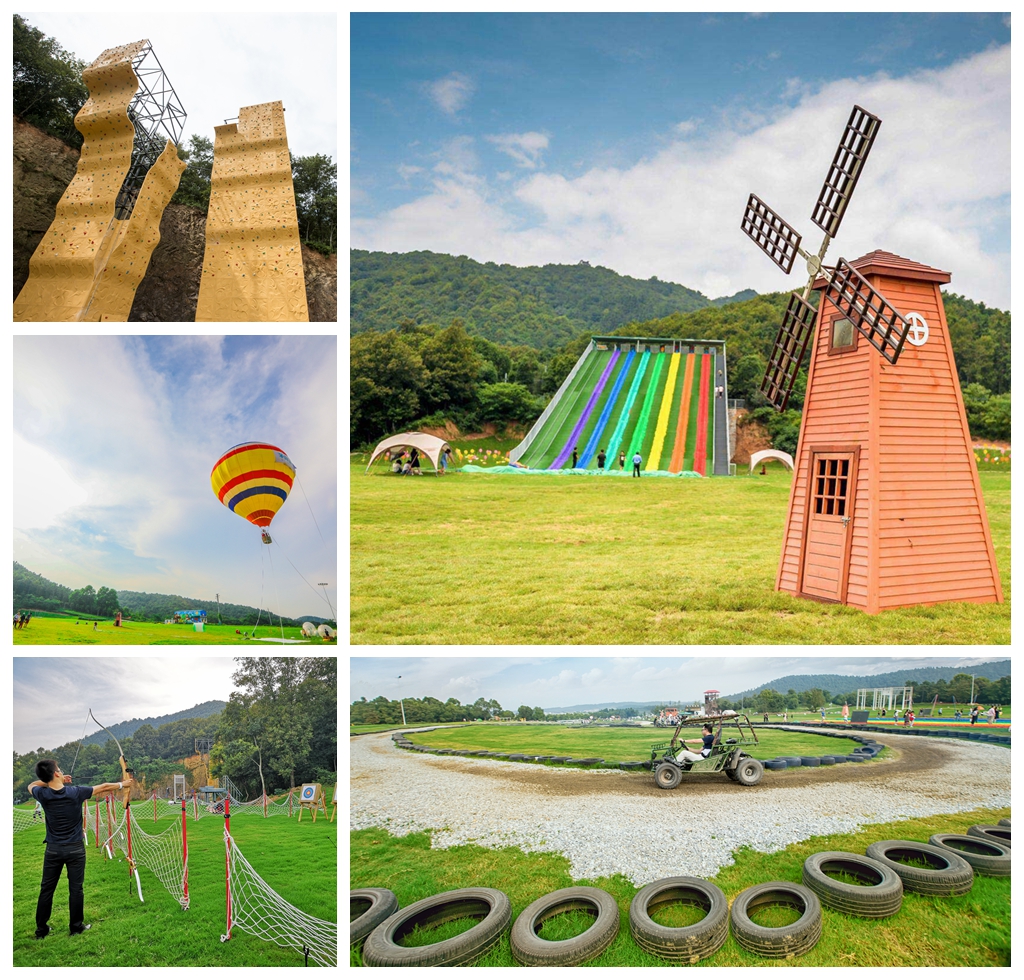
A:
{"x": 620, "y": 428}
{"x": 582, "y": 421}
{"x": 591, "y": 446}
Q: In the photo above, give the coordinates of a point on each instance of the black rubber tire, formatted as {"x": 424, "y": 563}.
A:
{"x": 781, "y": 942}
{"x": 368, "y": 908}
{"x": 749, "y": 772}
{"x": 1001, "y": 835}
{"x": 774, "y": 764}
{"x": 686, "y": 944}
{"x": 792, "y": 761}
{"x": 857, "y": 758}
{"x": 530, "y": 950}
{"x": 1005, "y": 822}
{"x": 810, "y": 761}
{"x": 667, "y": 776}
{"x": 880, "y": 895}
{"x": 987, "y": 856}
{"x": 731, "y": 773}
{"x": 949, "y": 873}
{"x": 828, "y": 760}
{"x": 492, "y": 907}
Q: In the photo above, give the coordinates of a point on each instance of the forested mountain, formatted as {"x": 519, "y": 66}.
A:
{"x": 540, "y": 306}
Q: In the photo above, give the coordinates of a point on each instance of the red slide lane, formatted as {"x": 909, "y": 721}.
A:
{"x": 700, "y": 450}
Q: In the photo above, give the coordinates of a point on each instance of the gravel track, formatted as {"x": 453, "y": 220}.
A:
{"x": 608, "y": 821}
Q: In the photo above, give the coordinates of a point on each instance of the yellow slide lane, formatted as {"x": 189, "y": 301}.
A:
{"x": 252, "y": 269}
{"x": 654, "y": 457}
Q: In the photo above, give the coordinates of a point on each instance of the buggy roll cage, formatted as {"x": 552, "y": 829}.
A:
{"x": 694, "y": 720}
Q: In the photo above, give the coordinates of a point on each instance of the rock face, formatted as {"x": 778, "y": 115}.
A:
{"x": 43, "y": 168}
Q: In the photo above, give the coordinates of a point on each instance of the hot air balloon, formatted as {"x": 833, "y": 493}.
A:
{"x": 253, "y": 480}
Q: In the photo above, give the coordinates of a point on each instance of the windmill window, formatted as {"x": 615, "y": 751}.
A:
{"x": 831, "y": 486}
{"x": 843, "y": 336}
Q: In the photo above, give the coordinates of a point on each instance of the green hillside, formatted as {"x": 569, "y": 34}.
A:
{"x": 540, "y": 306}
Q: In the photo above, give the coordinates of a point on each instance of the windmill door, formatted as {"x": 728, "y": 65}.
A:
{"x": 826, "y": 563}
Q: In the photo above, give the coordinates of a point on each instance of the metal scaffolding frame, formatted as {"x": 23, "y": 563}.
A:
{"x": 157, "y": 114}
{"x": 884, "y": 698}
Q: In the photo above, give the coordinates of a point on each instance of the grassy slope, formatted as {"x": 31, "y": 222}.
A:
{"x": 971, "y": 929}
{"x": 515, "y": 559}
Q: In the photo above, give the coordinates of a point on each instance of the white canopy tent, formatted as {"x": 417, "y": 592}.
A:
{"x": 426, "y": 445}
{"x": 767, "y": 454}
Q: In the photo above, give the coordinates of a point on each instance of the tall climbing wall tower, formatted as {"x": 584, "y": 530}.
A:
{"x": 252, "y": 268}
{"x": 107, "y": 223}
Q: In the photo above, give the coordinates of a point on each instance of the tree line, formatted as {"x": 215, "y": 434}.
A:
{"x": 49, "y": 91}
{"x": 277, "y": 731}
{"x": 424, "y": 711}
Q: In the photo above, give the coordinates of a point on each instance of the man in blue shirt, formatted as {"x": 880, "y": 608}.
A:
{"x": 62, "y": 807}
{"x": 706, "y": 741}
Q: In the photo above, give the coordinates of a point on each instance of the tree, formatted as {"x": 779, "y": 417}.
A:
{"x": 815, "y": 698}
{"x": 48, "y": 87}
{"x": 452, "y": 364}
{"x": 538, "y": 713}
{"x": 525, "y": 713}
{"x": 106, "y": 601}
{"x": 194, "y": 185}
{"x": 315, "y": 179}
{"x": 504, "y": 402}
{"x": 386, "y": 375}
{"x": 769, "y": 700}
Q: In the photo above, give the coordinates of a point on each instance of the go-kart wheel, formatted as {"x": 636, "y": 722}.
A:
{"x": 667, "y": 775}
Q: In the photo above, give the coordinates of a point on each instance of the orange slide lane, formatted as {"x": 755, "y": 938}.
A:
{"x": 700, "y": 451}
{"x": 679, "y": 448}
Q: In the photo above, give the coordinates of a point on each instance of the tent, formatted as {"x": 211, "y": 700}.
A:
{"x": 429, "y": 446}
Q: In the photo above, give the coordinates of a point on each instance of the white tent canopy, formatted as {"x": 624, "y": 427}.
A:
{"x": 766, "y": 454}
{"x": 429, "y": 446}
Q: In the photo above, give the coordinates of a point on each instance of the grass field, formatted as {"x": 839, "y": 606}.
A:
{"x": 297, "y": 860}
{"x": 616, "y": 744}
{"x": 59, "y": 630}
{"x": 967, "y": 930}
{"x": 496, "y": 558}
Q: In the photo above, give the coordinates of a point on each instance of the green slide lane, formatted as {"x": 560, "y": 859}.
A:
{"x": 559, "y": 426}
{"x": 637, "y": 441}
{"x": 614, "y": 444}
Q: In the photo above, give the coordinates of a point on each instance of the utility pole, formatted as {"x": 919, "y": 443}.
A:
{"x": 402, "y": 702}
{"x": 218, "y": 609}
{"x": 972, "y": 688}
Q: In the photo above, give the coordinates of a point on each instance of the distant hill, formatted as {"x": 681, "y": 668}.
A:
{"x": 125, "y": 729}
{"x": 539, "y": 306}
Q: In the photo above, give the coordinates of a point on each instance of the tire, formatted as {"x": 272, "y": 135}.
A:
{"x": 1001, "y": 835}
{"x": 1005, "y": 822}
{"x": 986, "y": 856}
{"x": 490, "y": 905}
{"x": 731, "y": 773}
{"x": 686, "y": 944}
{"x": 783, "y": 942}
{"x": 810, "y": 761}
{"x": 368, "y": 908}
{"x": 792, "y": 761}
{"x": 530, "y": 950}
{"x": 878, "y": 896}
{"x": 774, "y": 764}
{"x": 668, "y": 776}
{"x": 948, "y": 874}
{"x": 749, "y": 772}
{"x": 857, "y": 758}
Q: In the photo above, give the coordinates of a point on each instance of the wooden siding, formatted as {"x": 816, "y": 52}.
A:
{"x": 919, "y": 532}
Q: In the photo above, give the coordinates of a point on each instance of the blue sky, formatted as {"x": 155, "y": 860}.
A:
{"x": 53, "y": 695}
{"x": 633, "y": 140}
{"x": 115, "y": 438}
{"x": 550, "y": 682}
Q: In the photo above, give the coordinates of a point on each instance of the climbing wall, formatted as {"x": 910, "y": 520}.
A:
{"x": 68, "y": 273}
{"x": 252, "y": 269}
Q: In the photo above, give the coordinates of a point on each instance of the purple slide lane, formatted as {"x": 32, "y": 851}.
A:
{"x": 578, "y": 428}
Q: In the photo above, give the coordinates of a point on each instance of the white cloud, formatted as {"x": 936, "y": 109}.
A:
{"x": 937, "y": 181}
{"x": 44, "y": 490}
{"x": 451, "y": 93}
{"x": 524, "y": 148}
{"x": 686, "y": 127}
{"x": 457, "y": 157}
{"x": 405, "y": 171}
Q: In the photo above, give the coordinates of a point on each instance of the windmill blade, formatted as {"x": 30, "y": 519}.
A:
{"x": 779, "y": 240}
{"x": 868, "y": 310}
{"x": 788, "y": 353}
{"x": 852, "y": 153}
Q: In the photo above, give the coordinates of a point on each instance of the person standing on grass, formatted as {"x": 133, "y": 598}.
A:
{"x": 846, "y": 711}
{"x": 991, "y": 715}
{"x": 62, "y": 808}
{"x": 822, "y": 712}
{"x": 601, "y": 457}
{"x": 575, "y": 456}
{"x": 974, "y": 714}
{"x": 637, "y": 460}
{"x": 622, "y": 460}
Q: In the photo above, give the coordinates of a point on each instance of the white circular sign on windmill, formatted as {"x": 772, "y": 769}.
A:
{"x": 917, "y": 333}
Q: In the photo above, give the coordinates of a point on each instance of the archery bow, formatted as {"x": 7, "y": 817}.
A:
{"x": 126, "y": 771}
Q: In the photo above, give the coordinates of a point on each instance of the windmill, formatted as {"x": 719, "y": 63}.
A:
{"x": 885, "y": 508}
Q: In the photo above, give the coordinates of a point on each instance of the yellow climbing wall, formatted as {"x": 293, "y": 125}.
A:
{"x": 252, "y": 269}
{"x": 66, "y": 268}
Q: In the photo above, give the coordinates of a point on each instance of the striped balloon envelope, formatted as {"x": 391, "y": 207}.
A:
{"x": 253, "y": 480}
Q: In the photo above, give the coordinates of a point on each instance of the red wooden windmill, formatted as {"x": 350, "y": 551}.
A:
{"x": 886, "y": 507}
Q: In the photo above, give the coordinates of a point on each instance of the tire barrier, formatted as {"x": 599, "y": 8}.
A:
{"x": 857, "y": 758}
{"x": 368, "y": 908}
{"x": 986, "y": 856}
{"x": 775, "y": 764}
{"x": 530, "y": 950}
{"x": 1001, "y": 835}
{"x": 491, "y": 906}
{"x": 793, "y": 761}
{"x": 877, "y": 894}
{"x": 1005, "y": 822}
{"x": 683, "y": 944}
{"x": 827, "y": 760}
{"x": 810, "y": 761}
{"x": 947, "y": 873}
{"x": 778, "y": 942}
